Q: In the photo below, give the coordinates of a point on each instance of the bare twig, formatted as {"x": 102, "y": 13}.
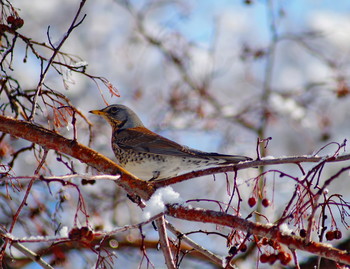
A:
{"x": 75, "y": 23}
{"x": 164, "y": 243}
{"x": 213, "y": 257}
{"x": 32, "y": 255}
{"x": 24, "y": 202}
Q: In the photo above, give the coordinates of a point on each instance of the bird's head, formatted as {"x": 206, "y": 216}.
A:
{"x": 119, "y": 116}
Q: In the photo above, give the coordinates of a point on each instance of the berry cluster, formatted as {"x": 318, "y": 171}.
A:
{"x": 81, "y": 234}
{"x": 15, "y": 22}
{"x": 271, "y": 258}
{"x": 252, "y": 202}
{"x": 331, "y": 235}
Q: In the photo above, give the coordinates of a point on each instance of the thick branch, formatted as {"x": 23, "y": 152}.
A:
{"x": 258, "y": 229}
{"x": 52, "y": 140}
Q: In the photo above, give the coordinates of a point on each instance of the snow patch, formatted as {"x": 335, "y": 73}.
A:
{"x": 159, "y": 199}
{"x": 64, "y": 231}
{"x": 268, "y": 158}
{"x": 285, "y": 229}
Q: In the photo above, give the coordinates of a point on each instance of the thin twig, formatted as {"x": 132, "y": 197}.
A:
{"x": 31, "y": 255}
{"x": 56, "y": 50}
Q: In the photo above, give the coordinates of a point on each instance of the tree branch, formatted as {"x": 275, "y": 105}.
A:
{"x": 164, "y": 243}
{"x": 27, "y": 252}
{"x": 52, "y": 140}
{"x": 250, "y": 164}
{"x": 258, "y": 229}
{"x": 213, "y": 257}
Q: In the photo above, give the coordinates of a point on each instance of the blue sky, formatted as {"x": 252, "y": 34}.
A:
{"x": 197, "y": 25}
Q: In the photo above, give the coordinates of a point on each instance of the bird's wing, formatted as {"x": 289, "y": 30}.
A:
{"x": 143, "y": 140}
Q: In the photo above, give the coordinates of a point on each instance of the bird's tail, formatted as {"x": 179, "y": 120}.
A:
{"x": 223, "y": 158}
{"x": 228, "y": 159}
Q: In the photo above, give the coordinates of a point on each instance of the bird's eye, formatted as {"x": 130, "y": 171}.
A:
{"x": 113, "y": 110}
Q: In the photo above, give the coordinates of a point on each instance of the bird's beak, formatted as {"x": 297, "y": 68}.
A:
{"x": 97, "y": 112}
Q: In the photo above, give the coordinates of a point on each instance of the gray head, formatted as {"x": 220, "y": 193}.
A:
{"x": 119, "y": 116}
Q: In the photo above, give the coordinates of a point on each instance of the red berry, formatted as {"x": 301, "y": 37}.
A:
{"x": 243, "y": 247}
{"x": 74, "y": 234}
{"x": 265, "y": 202}
{"x": 337, "y": 234}
{"x": 272, "y": 258}
{"x": 264, "y": 258}
{"x": 284, "y": 257}
{"x": 264, "y": 241}
{"x": 18, "y": 23}
{"x": 330, "y": 235}
{"x": 252, "y": 201}
{"x": 10, "y": 19}
{"x": 84, "y": 230}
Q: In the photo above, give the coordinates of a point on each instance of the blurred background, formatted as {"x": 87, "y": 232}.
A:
{"x": 213, "y": 75}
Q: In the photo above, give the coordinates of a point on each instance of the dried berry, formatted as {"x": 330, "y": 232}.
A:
{"x": 233, "y": 250}
{"x": 302, "y": 233}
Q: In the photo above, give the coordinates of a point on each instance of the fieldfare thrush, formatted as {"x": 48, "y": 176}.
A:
{"x": 150, "y": 156}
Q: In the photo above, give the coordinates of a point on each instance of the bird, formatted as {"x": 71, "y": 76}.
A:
{"x": 150, "y": 156}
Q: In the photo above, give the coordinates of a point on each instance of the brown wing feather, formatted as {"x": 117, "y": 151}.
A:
{"x": 143, "y": 140}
